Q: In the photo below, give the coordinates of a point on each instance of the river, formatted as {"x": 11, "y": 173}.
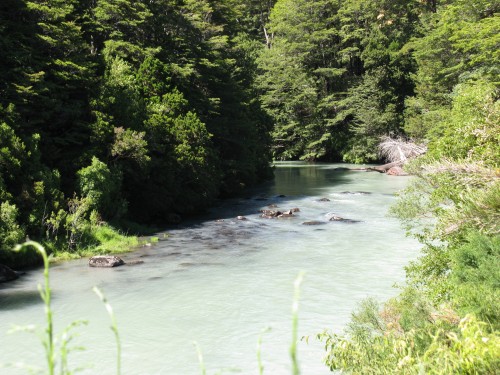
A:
{"x": 219, "y": 282}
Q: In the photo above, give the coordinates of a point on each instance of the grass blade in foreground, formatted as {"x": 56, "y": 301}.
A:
{"x": 45, "y": 294}
{"x": 295, "y": 323}
{"x": 114, "y": 327}
{"x": 259, "y": 345}
{"x": 200, "y": 358}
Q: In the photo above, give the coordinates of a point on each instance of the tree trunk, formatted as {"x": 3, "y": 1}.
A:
{"x": 384, "y": 168}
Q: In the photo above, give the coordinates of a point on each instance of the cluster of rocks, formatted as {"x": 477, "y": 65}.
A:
{"x": 272, "y": 214}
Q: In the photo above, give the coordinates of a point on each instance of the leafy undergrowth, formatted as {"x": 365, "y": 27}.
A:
{"x": 106, "y": 240}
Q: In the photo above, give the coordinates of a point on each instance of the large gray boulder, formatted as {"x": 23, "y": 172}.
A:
{"x": 6, "y": 274}
{"x": 107, "y": 261}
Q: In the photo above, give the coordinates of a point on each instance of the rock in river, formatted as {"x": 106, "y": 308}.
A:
{"x": 6, "y": 274}
{"x": 134, "y": 262}
{"x": 342, "y": 220}
{"x": 269, "y": 214}
{"x": 314, "y": 222}
{"x": 105, "y": 261}
{"x": 323, "y": 200}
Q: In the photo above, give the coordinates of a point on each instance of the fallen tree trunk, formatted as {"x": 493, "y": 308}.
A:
{"x": 384, "y": 168}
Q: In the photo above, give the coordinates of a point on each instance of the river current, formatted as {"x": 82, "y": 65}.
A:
{"x": 220, "y": 282}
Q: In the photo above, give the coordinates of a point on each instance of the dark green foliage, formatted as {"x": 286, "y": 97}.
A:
{"x": 101, "y": 188}
{"x": 143, "y": 109}
{"x": 446, "y": 318}
{"x": 10, "y": 231}
{"x": 470, "y": 127}
{"x": 336, "y": 76}
{"x": 476, "y": 274}
{"x": 460, "y": 44}
{"x": 301, "y": 79}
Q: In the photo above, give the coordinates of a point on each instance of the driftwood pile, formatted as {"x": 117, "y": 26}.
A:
{"x": 397, "y": 152}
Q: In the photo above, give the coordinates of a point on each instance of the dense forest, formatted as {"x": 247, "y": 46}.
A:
{"x": 115, "y": 112}
{"x": 430, "y": 71}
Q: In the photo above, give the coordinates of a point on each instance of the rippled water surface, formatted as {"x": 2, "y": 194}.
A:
{"x": 220, "y": 281}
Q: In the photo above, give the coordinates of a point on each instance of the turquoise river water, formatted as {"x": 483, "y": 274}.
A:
{"x": 220, "y": 283}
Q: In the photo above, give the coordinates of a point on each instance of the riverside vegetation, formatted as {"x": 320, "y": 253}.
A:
{"x": 446, "y": 318}
{"x": 114, "y": 111}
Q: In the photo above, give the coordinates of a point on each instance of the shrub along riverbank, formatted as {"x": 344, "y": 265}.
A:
{"x": 446, "y": 318}
{"x": 94, "y": 239}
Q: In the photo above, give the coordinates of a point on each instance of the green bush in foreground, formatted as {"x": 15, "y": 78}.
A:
{"x": 446, "y": 319}
{"x": 375, "y": 343}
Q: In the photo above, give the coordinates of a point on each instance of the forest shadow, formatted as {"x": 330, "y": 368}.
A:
{"x": 12, "y": 299}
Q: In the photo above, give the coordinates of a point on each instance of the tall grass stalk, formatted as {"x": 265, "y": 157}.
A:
{"x": 200, "y": 358}
{"x": 114, "y": 327}
{"x": 259, "y": 347}
{"x": 295, "y": 323}
{"x": 64, "y": 350}
{"x": 45, "y": 294}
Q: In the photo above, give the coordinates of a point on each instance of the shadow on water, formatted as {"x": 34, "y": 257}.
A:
{"x": 296, "y": 180}
{"x": 13, "y": 299}
{"x": 220, "y": 230}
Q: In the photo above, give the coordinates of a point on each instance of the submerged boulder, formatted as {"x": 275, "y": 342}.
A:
{"x": 323, "y": 200}
{"x": 6, "y": 274}
{"x": 341, "y": 169}
{"x": 342, "y": 220}
{"x": 355, "y": 192}
{"x": 106, "y": 261}
{"x": 313, "y": 222}
{"x": 134, "y": 262}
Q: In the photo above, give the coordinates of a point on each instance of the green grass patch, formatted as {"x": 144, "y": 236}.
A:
{"x": 104, "y": 239}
